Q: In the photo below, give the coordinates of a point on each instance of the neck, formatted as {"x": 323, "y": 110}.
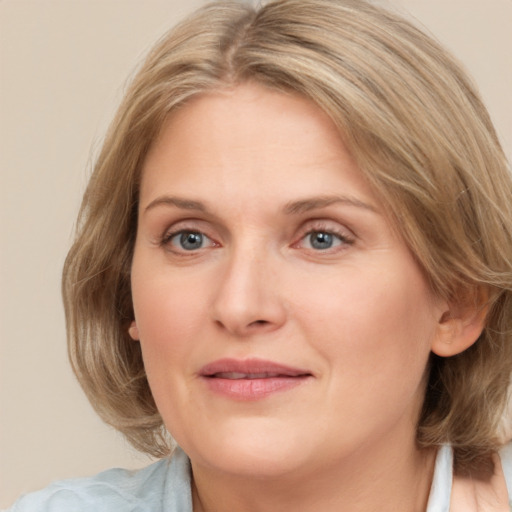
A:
{"x": 380, "y": 480}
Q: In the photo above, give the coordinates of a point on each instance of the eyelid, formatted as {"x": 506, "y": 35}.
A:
{"x": 198, "y": 225}
{"x": 328, "y": 225}
{"x": 177, "y": 251}
{"x": 173, "y": 231}
{"x": 173, "y": 234}
{"x": 333, "y": 227}
{"x": 186, "y": 225}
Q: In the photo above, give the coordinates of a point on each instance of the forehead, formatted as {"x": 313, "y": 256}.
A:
{"x": 254, "y": 140}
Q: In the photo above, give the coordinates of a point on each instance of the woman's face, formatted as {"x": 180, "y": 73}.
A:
{"x": 283, "y": 323}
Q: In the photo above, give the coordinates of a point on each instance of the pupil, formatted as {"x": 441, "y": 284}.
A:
{"x": 321, "y": 240}
{"x": 191, "y": 241}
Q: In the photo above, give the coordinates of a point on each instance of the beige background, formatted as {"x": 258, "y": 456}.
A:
{"x": 63, "y": 67}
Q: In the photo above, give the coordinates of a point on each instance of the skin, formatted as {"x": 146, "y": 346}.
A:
{"x": 358, "y": 316}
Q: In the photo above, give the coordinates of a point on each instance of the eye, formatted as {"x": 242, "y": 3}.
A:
{"x": 323, "y": 240}
{"x": 188, "y": 240}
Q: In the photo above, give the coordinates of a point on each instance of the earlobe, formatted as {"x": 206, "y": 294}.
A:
{"x": 133, "y": 331}
{"x": 458, "y": 329}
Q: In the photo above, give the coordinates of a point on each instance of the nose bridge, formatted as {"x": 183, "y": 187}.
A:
{"x": 247, "y": 297}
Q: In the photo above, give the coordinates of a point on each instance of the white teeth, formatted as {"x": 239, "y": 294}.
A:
{"x": 236, "y": 376}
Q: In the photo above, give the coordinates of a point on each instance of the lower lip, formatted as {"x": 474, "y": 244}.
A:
{"x": 253, "y": 389}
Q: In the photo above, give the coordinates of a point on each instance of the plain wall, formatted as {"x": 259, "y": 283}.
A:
{"x": 63, "y": 66}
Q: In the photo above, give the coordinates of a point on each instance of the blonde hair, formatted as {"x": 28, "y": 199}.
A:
{"x": 422, "y": 138}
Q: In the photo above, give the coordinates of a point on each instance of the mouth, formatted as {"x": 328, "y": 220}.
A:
{"x": 251, "y": 379}
{"x": 237, "y": 376}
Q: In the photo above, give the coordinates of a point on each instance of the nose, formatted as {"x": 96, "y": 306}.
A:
{"x": 249, "y": 297}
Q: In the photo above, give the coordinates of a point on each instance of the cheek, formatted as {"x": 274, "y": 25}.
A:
{"x": 371, "y": 319}
{"x": 166, "y": 309}
{"x": 167, "y": 321}
{"x": 168, "y": 314}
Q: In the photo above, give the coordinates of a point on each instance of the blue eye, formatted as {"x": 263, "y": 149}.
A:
{"x": 188, "y": 240}
{"x": 323, "y": 240}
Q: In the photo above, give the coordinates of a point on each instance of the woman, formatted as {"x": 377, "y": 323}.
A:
{"x": 293, "y": 257}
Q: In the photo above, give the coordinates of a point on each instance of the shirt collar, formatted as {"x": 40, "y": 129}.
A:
{"x": 440, "y": 492}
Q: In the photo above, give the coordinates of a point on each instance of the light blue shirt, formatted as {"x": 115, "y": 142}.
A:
{"x": 165, "y": 487}
{"x": 162, "y": 487}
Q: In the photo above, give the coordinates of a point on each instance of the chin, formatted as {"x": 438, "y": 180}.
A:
{"x": 257, "y": 465}
{"x": 255, "y": 452}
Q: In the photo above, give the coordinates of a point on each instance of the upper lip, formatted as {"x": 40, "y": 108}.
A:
{"x": 259, "y": 368}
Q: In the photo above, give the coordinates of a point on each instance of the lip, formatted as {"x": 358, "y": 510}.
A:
{"x": 251, "y": 379}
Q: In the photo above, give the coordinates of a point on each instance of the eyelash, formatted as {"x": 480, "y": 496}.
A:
{"x": 343, "y": 238}
{"x": 168, "y": 237}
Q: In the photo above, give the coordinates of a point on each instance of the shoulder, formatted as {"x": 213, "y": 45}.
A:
{"x": 118, "y": 490}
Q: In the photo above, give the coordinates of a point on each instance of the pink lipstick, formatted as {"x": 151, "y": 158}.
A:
{"x": 251, "y": 379}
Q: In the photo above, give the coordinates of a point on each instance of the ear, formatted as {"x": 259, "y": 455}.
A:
{"x": 460, "y": 325}
{"x": 133, "y": 331}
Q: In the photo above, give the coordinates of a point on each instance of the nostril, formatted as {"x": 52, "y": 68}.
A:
{"x": 258, "y": 322}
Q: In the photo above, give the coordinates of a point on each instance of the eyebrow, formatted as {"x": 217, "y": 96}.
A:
{"x": 178, "y": 202}
{"x": 314, "y": 203}
{"x": 291, "y": 208}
